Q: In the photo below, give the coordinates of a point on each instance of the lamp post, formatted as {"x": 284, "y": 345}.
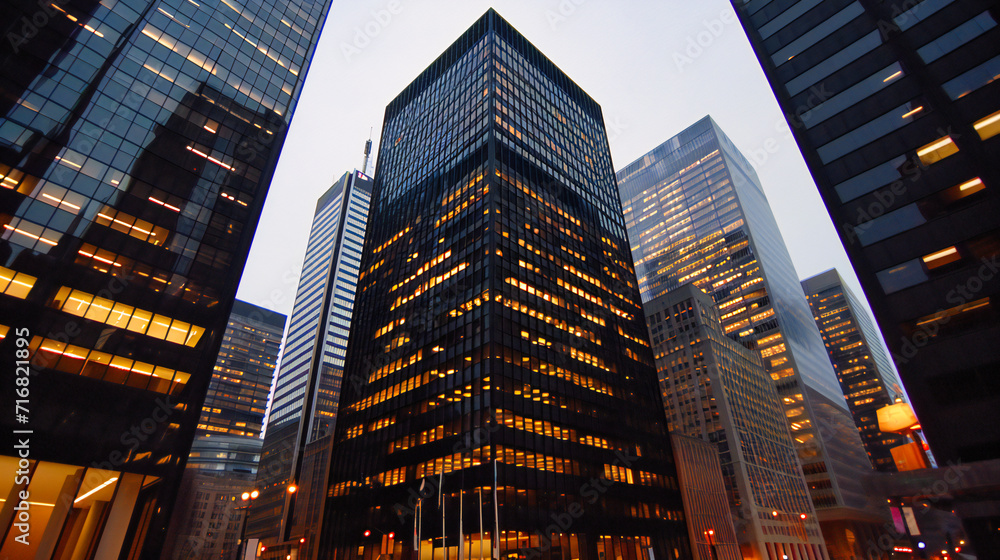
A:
{"x": 710, "y": 534}
{"x": 248, "y": 498}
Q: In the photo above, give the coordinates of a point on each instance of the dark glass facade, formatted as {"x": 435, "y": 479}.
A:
{"x": 208, "y": 514}
{"x": 137, "y": 143}
{"x": 717, "y": 390}
{"x": 303, "y": 409}
{"x": 696, "y": 213}
{"x": 863, "y": 368}
{"x": 910, "y": 195}
{"x": 498, "y": 351}
{"x": 895, "y": 107}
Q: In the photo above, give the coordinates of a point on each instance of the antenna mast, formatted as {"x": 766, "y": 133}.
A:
{"x": 368, "y": 151}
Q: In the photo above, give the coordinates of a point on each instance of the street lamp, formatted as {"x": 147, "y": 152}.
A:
{"x": 248, "y": 498}
{"x": 711, "y": 543}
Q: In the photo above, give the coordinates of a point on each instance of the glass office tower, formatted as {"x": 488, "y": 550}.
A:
{"x": 208, "y": 514}
{"x": 696, "y": 213}
{"x": 718, "y": 390}
{"x": 498, "y": 351}
{"x": 303, "y": 409}
{"x": 896, "y": 108}
{"x": 866, "y": 375}
{"x": 137, "y": 143}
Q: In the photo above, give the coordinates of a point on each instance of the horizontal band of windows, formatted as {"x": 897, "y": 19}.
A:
{"x": 952, "y": 321}
{"x": 833, "y": 63}
{"x": 969, "y": 81}
{"x": 957, "y": 37}
{"x": 917, "y": 271}
{"x": 31, "y": 235}
{"x": 852, "y": 95}
{"x": 788, "y": 15}
{"x": 868, "y": 181}
{"x": 77, "y": 360}
{"x": 15, "y": 284}
{"x": 919, "y": 13}
{"x": 109, "y": 312}
{"x": 817, "y": 33}
{"x": 870, "y": 131}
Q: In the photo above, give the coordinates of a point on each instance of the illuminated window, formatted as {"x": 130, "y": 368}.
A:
{"x": 942, "y": 257}
{"x": 78, "y": 360}
{"x": 947, "y": 314}
{"x": 128, "y": 224}
{"x": 776, "y": 349}
{"x": 937, "y": 150}
{"x": 123, "y": 316}
{"x": 969, "y": 187}
{"x": 61, "y": 198}
{"x": 31, "y": 235}
{"x": 16, "y": 284}
{"x": 179, "y": 48}
{"x": 989, "y": 126}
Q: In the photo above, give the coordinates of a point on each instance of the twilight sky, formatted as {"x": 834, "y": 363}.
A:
{"x": 655, "y": 66}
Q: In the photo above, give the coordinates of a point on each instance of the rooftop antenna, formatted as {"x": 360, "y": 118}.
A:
{"x": 368, "y": 152}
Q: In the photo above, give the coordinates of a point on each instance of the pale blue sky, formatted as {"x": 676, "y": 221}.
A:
{"x": 655, "y": 67}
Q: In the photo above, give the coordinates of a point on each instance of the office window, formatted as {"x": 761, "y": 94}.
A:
{"x": 988, "y": 127}
{"x": 973, "y": 79}
{"x": 937, "y": 150}
{"x": 957, "y": 37}
{"x": 902, "y": 276}
{"x": 817, "y": 33}
{"x": 16, "y": 284}
{"x": 890, "y": 224}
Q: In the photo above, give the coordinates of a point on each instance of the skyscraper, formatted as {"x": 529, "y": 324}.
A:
{"x": 866, "y": 375}
{"x": 137, "y": 144}
{"x": 501, "y": 387}
{"x": 696, "y": 213}
{"x": 307, "y": 389}
{"x": 894, "y": 106}
{"x": 209, "y": 514}
{"x": 717, "y": 390}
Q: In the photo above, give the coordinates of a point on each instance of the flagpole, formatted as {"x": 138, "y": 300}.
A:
{"x": 416, "y": 516}
{"x": 480, "y": 492}
{"x": 420, "y": 521}
{"x": 444, "y": 541}
{"x": 496, "y": 516}
{"x": 461, "y": 515}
